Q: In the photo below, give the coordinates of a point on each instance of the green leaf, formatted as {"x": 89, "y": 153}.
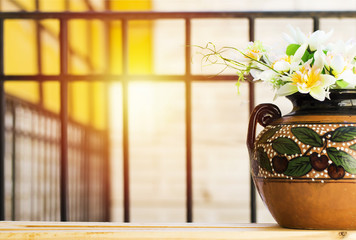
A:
{"x": 292, "y": 48}
{"x": 353, "y": 147}
{"x": 298, "y": 167}
{"x": 263, "y": 159}
{"x": 341, "y": 83}
{"x": 343, "y": 134}
{"x": 341, "y": 158}
{"x": 307, "y": 56}
{"x": 285, "y": 145}
{"x": 268, "y": 134}
{"x": 307, "y": 136}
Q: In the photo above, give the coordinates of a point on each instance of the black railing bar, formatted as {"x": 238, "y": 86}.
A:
{"x": 113, "y": 78}
{"x": 64, "y": 120}
{"x": 33, "y": 166}
{"x": 151, "y": 15}
{"x": 188, "y": 123}
{"x": 316, "y": 23}
{"x": 39, "y": 52}
{"x": 251, "y": 96}
{"x": 87, "y": 181}
{"x": 107, "y": 59}
{"x": 13, "y": 162}
{"x": 2, "y": 125}
{"x": 37, "y": 5}
{"x": 125, "y": 113}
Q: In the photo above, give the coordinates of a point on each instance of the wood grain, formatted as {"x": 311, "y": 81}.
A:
{"x": 79, "y": 231}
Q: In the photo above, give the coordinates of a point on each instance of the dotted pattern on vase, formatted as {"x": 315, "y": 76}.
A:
{"x": 315, "y": 151}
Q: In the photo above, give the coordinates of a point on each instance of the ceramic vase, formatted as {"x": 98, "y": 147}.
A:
{"x": 304, "y": 163}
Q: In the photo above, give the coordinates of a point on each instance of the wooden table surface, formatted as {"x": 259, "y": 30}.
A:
{"x": 76, "y": 231}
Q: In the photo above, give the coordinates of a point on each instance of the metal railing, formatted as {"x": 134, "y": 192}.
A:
{"x": 32, "y": 138}
{"x": 125, "y": 17}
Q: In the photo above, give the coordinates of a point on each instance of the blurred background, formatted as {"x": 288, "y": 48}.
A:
{"x": 156, "y": 110}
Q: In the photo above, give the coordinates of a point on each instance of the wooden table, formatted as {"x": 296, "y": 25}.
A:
{"x": 76, "y": 231}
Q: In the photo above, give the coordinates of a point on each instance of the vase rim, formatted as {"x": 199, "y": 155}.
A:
{"x": 333, "y": 93}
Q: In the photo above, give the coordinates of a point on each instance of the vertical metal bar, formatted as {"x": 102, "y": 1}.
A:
{"x": 64, "y": 119}
{"x": 13, "y": 162}
{"x": 2, "y": 125}
{"x": 251, "y": 87}
{"x": 86, "y": 207}
{"x": 188, "y": 123}
{"x": 316, "y": 23}
{"x": 39, "y": 52}
{"x": 107, "y": 146}
{"x": 125, "y": 103}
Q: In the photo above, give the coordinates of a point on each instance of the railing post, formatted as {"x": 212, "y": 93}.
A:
{"x": 2, "y": 125}
{"x": 64, "y": 119}
{"x": 251, "y": 87}
{"x": 188, "y": 122}
{"x": 125, "y": 105}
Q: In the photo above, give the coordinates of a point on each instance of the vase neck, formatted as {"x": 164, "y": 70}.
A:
{"x": 341, "y": 102}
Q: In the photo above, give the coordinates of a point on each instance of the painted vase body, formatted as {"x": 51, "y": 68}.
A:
{"x": 304, "y": 164}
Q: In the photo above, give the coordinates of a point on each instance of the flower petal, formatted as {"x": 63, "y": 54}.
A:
{"x": 268, "y": 75}
{"x": 327, "y": 80}
{"x": 338, "y": 64}
{"x": 287, "y": 89}
{"x": 255, "y": 74}
{"x": 281, "y": 66}
{"x": 318, "y": 93}
{"x": 299, "y": 53}
{"x": 349, "y": 77}
{"x": 319, "y": 57}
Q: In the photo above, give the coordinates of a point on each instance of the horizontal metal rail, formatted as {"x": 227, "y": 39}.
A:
{"x": 113, "y": 77}
{"x": 107, "y": 15}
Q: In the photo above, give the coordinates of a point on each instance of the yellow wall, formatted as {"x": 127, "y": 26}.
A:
{"x": 20, "y": 57}
{"x": 139, "y": 37}
{"x": 87, "y": 102}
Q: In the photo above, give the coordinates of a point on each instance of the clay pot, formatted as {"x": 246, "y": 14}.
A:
{"x": 304, "y": 163}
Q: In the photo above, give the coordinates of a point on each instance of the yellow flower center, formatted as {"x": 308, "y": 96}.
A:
{"x": 307, "y": 77}
{"x": 254, "y": 53}
{"x": 285, "y": 58}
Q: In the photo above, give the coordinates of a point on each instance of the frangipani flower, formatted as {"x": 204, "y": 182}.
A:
{"x": 314, "y": 40}
{"x": 289, "y": 63}
{"x": 255, "y": 50}
{"x": 309, "y": 65}
{"x": 341, "y": 68}
{"x": 308, "y": 79}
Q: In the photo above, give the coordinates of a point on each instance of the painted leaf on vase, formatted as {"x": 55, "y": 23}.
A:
{"x": 341, "y": 158}
{"x": 307, "y": 136}
{"x": 285, "y": 145}
{"x": 353, "y": 147}
{"x": 343, "y": 134}
{"x": 268, "y": 134}
{"x": 263, "y": 159}
{"x": 298, "y": 167}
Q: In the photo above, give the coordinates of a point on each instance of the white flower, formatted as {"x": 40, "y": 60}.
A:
{"x": 290, "y": 63}
{"x": 296, "y": 36}
{"x": 340, "y": 67}
{"x": 348, "y": 49}
{"x": 308, "y": 79}
{"x": 255, "y": 50}
{"x": 314, "y": 40}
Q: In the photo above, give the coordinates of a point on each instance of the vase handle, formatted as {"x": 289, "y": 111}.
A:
{"x": 264, "y": 114}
